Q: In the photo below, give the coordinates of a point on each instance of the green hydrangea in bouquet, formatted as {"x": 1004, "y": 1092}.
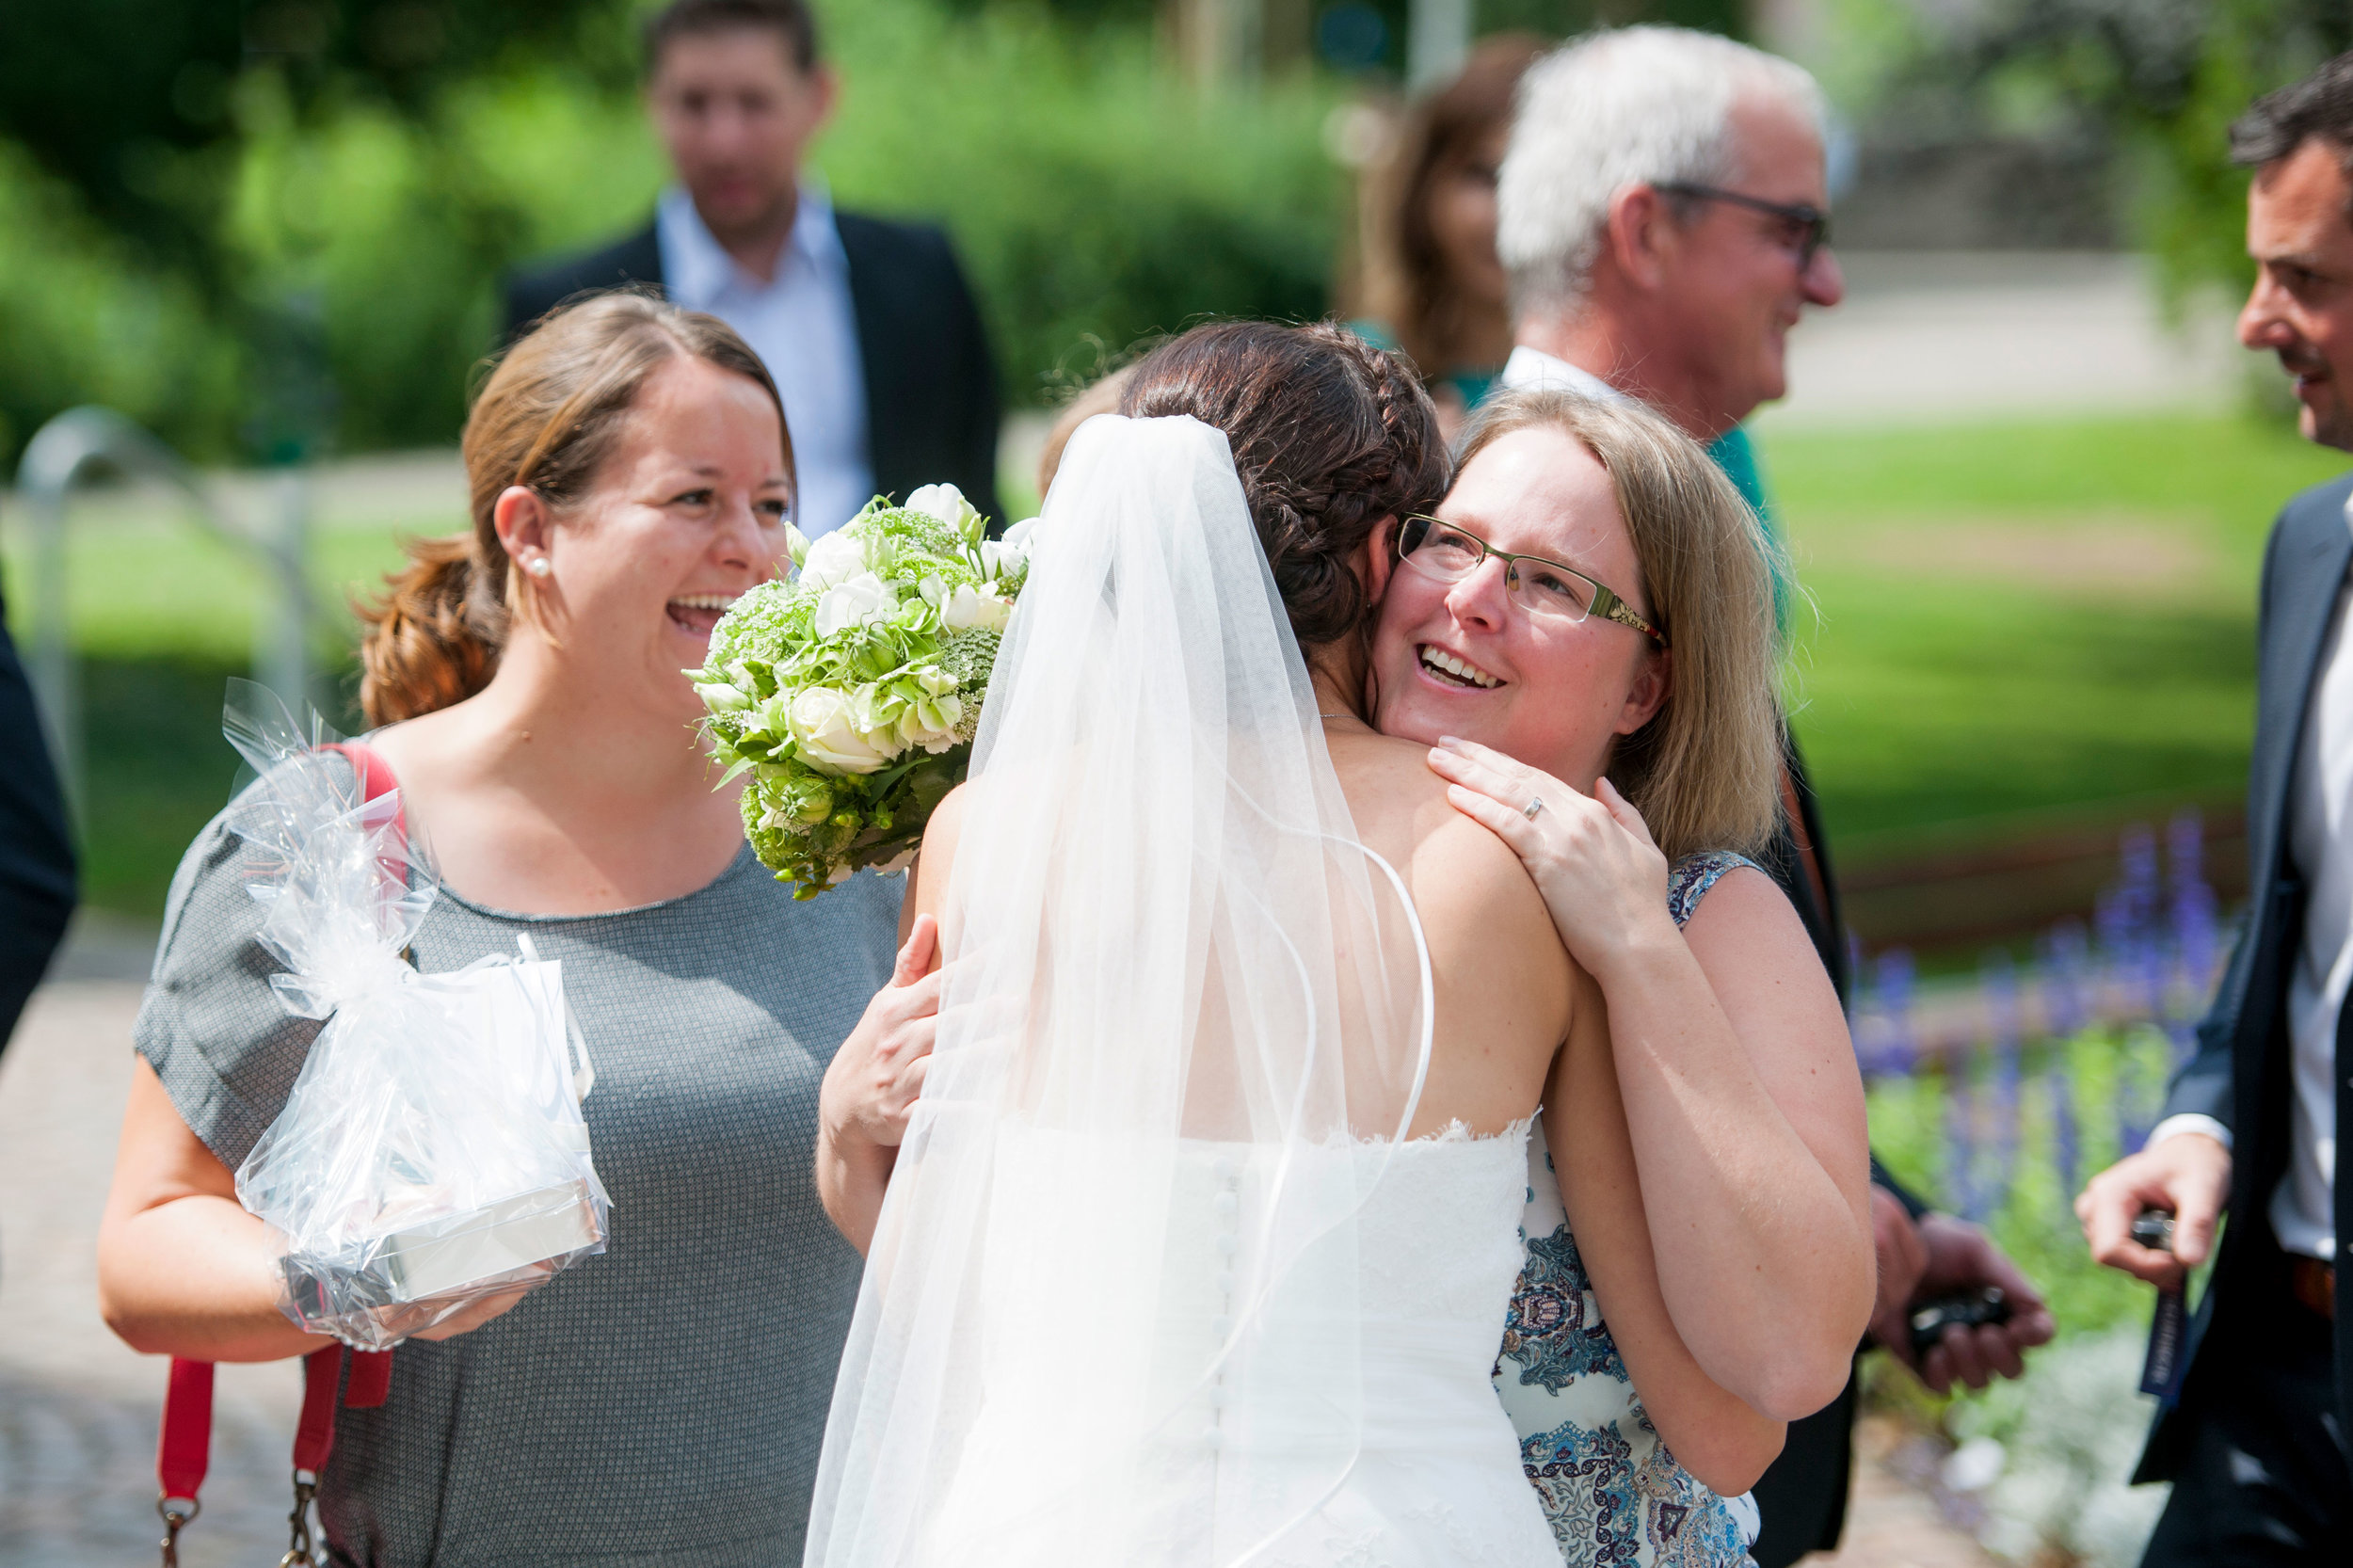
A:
{"x": 851, "y": 691}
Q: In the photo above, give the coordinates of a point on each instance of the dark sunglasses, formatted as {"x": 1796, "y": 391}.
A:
{"x": 1809, "y": 225}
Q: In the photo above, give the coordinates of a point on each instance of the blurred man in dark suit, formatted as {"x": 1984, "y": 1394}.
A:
{"x": 868, "y": 326}
{"x": 36, "y": 851}
{"x": 2257, "y": 1444}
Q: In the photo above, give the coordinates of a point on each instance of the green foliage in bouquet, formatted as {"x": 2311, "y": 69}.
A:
{"x": 852, "y": 691}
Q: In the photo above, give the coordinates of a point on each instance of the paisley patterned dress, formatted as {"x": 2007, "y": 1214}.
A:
{"x": 1615, "y": 1496}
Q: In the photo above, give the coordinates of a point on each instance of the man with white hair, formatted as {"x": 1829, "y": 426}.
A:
{"x": 1664, "y": 217}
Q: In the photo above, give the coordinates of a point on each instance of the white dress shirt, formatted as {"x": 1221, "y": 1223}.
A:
{"x": 1532, "y": 367}
{"x": 802, "y": 325}
{"x": 2320, "y": 837}
{"x": 2320, "y": 844}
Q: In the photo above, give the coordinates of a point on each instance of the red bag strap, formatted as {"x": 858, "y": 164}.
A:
{"x": 183, "y": 1451}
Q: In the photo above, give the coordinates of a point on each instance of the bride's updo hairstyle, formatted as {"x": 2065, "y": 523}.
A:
{"x": 1330, "y": 437}
{"x": 1706, "y": 770}
{"x": 547, "y": 418}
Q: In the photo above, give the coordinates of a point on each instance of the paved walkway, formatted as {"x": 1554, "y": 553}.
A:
{"x": 1891, "y": 1524}
{"x": 1931, "y": 337}
{"x": 78, "y": 1410}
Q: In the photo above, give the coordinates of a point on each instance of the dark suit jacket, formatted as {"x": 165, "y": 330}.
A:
{"x": 36, "y": 850}
{"x": 2240, "y": 1075}
{"x": 931, "y": 384}
{"x": 1803, "y": 1495}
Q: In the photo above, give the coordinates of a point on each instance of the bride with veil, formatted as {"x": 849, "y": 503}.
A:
{"x": 1197, "y": 1245}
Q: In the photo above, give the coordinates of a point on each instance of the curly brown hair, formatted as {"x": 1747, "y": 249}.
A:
{"x": 1332, "y": 438}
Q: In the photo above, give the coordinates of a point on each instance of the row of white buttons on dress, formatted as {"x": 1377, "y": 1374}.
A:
{"x": 1228, "y": 1206}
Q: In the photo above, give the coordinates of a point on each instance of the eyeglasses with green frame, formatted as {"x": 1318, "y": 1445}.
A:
{"x": 1444, "y": 552}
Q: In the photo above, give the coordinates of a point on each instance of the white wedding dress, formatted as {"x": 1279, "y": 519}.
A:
{"x": 1158, "y": 1281}
{"x": 1436, "y": 1480}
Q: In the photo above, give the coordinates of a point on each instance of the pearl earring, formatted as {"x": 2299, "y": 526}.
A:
{"x": 539, "y": 567}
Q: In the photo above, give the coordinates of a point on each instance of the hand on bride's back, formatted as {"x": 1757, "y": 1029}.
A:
{"x": 1602, "y": 877}
{"x": 877, "y": 1077}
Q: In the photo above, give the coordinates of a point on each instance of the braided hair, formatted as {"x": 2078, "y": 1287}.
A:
{"x": 1332, "y": 438}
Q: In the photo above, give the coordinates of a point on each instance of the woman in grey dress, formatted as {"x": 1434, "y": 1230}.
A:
{"x": 630, "y": 475}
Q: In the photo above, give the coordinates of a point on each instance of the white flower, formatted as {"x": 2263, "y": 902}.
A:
{"x": 833, "y": 559}
{"x": 824, "y": 728}
{"x": 997, "y": 558}
{"x": 932, "y": 714}
{"x": 720, "y": 698}
{"x": 931, "y": 724}
{"x": 795, "y": 544}
{"x": 968, "y": 607}
{"x": 944, "y": 502}
{"x": 861, "y": 601}
{"x": 947, "y": 503}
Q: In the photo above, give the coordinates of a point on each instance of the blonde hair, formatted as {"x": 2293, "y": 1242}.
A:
{"x": 547, "y": 418}
{"x": 1706, "y": 770}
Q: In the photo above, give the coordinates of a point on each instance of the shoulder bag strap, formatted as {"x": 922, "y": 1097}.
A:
{"x": 183, "y": 1450}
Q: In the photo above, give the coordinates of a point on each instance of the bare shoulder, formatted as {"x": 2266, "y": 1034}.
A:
{"x": 1485, "y": 919}
{"x": 935, "y": 856}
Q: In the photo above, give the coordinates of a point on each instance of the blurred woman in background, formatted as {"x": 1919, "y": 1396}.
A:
{"x": 1431, "y": 286}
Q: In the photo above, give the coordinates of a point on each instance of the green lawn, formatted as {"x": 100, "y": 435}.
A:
{"x": 2019, "y": 620}
{"x": 162, "y": 616}
{"x": 2011, "y": 621}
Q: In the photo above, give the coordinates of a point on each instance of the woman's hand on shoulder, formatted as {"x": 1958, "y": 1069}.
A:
{"x": 877, "y": 1077}
{"x": 874, "y": 1079}
{"x": 1603, "y": 879}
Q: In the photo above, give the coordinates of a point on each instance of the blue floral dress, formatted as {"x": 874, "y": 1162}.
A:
{"x": 1616, "y": 1497}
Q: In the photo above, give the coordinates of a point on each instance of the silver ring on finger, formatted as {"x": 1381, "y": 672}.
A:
{"x": 1535, "y": 803}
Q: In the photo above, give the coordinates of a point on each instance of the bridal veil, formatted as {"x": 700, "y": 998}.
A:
{"x": 1111, "y": 1315}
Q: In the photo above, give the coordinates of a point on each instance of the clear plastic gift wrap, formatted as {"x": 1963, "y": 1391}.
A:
{"x": 432, "y": 1152}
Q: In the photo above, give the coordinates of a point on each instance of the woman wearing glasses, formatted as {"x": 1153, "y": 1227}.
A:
{"x": 1583, "y": 634}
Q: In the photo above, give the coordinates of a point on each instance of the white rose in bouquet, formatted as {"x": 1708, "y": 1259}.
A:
{"x": 824, "y": 724}
{"x": 836, "y": 558}
{"x": 946, "y": 504}
{"x": 968, "y": 607}
{"x": 859, "y": 600}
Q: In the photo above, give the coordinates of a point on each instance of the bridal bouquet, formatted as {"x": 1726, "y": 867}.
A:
{"x": 851, "y": 692}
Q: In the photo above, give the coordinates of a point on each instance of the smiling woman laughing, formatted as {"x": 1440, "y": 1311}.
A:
{"x": 631, "y": 476}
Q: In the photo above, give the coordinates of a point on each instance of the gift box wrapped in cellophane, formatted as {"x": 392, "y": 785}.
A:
{"x": 431, "y": 1153}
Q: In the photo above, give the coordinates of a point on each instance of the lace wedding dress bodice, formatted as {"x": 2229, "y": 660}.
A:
{"x": 1371, "y": 1442}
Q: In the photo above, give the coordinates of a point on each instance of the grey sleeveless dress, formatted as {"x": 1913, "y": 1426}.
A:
{"x": 662, "y": 1403}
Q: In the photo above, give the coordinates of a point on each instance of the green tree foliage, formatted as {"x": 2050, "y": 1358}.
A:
{"x": 116, "y": 96}
{"x": 2161, "y": 80}
{"x": 347, "y": 198}
{"x": 105, "y": 94}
